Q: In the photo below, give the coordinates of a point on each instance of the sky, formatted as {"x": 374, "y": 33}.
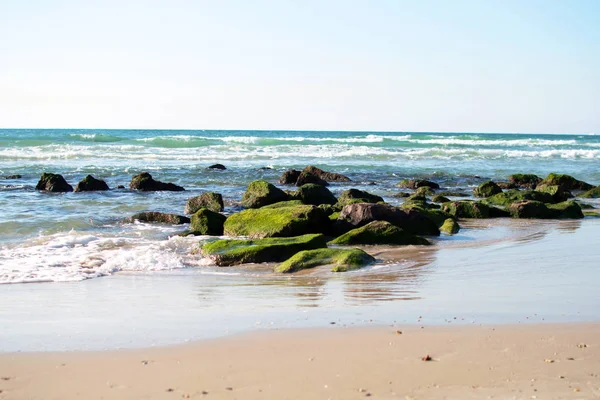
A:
{"x": 423, "y": 65}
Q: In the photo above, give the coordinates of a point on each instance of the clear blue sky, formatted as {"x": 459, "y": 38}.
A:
{"x": 448, "y": 65}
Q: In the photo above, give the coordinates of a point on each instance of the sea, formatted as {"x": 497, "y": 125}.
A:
{"x": 93, "y": 271}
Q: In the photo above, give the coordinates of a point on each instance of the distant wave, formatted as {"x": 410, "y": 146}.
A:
{"x": 96, "y": 137}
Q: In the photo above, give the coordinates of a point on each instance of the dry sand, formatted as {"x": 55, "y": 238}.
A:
{"x": 505, "y": 362}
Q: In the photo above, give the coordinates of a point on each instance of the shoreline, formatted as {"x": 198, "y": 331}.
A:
{"x": 509, "y": 361}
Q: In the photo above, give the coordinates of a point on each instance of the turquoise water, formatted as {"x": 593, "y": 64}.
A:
{"x": 74, "y": 236}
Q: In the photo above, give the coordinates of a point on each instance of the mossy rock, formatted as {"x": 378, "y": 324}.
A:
{"x": 314, "y": 194}
{"x": 558, "y": 193}
{"x": 53, "y": 183}
{"x": 163, "y": 218}
{"x": 586, "y": 206}
{"x": 566, "y": 181}
{"x": 91, "y": 184}
{"x": 287, "y": 203}
{"x": 439, "y": 199}
{"x": 450, "y": 226}
{"x": 342, "y": 260}
{"x": 233, "y": 252}
{"x": 424, "y": 191}
{"x": 567, "y": 210}
{"x": 591, "y": 194}
{"x": 454, "y": 194}
{"x": 262, "y": 193}
{"x": 487, "y": 189}
{"x": 357, "y": 196}
{"x": 415, "y": 197}
{"x": 334, "y": 216}
{"x": 277, "y": 222}
{"x": 592, "y": 213}
{"x": 207, "y": 222}
{"x": 325, "y": 175}
{"x": 529, "y": 181}
{"x": 402, "y": 195}
{"x": 511, "y": 196}
{"x": 467, "y": 209}
{"x": 539, "y": 210}
{"x": 379, "y": 232}
{"x": 145, "y": 183}
{"x": 212, "y": 201}
{"x": 417, "y": 183}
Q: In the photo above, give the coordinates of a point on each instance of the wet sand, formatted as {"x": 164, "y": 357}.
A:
{"x": 510, "y": 362}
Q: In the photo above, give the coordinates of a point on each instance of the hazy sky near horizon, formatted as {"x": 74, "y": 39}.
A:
{"x": 461, "y": 66}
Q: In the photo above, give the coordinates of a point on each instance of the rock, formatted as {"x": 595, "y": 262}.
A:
{"x": 357, "y": 215}
{"x": 53, "y": 183}
{"x": 145, "y": 183}
{"x": 212, "y": 201}
{"x": 567, "y": 210}
{"x": 90, "y": 184}
{"x": 558, "y": 193}
{"x": 314, "y": 194}
{"x": 467, "y": 209}
{"x": 289, "y": 177}
{"x": 417, "y": 183}
{"x": 591, "y": 194}
{"x": 358, "y": 196}
{"x": 220, "y": 167}
{"x": 379, "y": 232}
{"x": 454, "y": 194}
{"x": 439, "y": 199}
{"x": 511, "y": 196}
{"x": 287, "y": 203}
{"x": 17, "y": 176}
{"x": 530, "y": 209}
{"x": 424, "y": 191}
{"x": 326, "y": 176}
{"x": 163, "y": 218}
{"x": 277, "y": 222}
{"x": 566, "y": 181}
{"x": 233, "y": 252}
{"x": 207, "y": 222}
{"x": 505, "y": 185}
{"x": 402, "y": 195}
{"x": 120, "y": 187}
{"x": 307, "y": 177}
{"x": 526, "y": 181}
{"x": 435, "y": 214}
{"x": 262, "y": 193}
{"x": 341, "y": 259}
{"x": 450, "y": 226}
{"x": 415, "y": 197}
{"x": 487, "y": 189}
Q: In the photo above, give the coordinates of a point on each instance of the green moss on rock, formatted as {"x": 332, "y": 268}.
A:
{"x": 424, "y": 191}
{"x": 277, "y": 222}
{"x": 233, "y": 252}
{"x": 439, "y": 199}
{"x": 528, "y": 181}
{"x": 212, "y": 201}
{"x": 567, "y": 209}
{"x": 566, "y": 181}
{"x": 511, "y": 196}
{"x": 450, "y": 226}
{"x": 417, "y": 183}
{"x": 91, "y": 184}
{"x": 262, "y": 193}
{"x": 163, "y": 218}
{"x": 357, "y": 196}
{"x": 341, "y": 259}
{"x": 379, "y": 232}
{"x": 53, "y": 183}
{"x": 591, "y": 194}
{"x": 311, "y": 193}
{"x": 558, "y": 193}
{"x": 487, "y": 189}
{"x": 467, "y": 209}
{"x": 288, "y": 203}
{"x": 207, "y": 222}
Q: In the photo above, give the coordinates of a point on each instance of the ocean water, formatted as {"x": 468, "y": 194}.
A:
{"x": 47, "y": 237}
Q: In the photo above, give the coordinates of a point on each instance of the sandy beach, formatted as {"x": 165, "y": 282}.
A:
{"x": 540, "y": 361}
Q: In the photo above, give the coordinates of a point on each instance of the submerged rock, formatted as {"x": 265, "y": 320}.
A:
{"x": 53, "y": 183}
{"x": 233, "y": 252}
{"x": 379, "y": 232}
{"x": 90, "y": 184}
{"x": 342, "y": 260}
{"x": 17, "y": 176}
{"x": 220, "y": 167}
{"x": 417, "y": 183}
{"x": 212, "y": 201}
{"x": 207, "y": 222}
{"x": 145, "y": 183}
{"x": 153, "y": 216}
{"x": 487, "y": 189}
{"x": 277, "y": 222}
{"x": 262, "y": 193}
{"x": 450, "y": 226}
{"x": 526, "y": 181}
{"x": 311, "y": 193}
{"x": 591, "y": 194}
{"x": 566, "y": 181}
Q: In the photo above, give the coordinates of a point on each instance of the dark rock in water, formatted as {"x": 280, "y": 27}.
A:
{"x": 424, "y": 191}
{"x": 539, "y": 210}
{"x": 342, "y": 260}
{"x": 450, "y": 227}
{"x": 326, "y": 176}
{"x": 289, "y": 177}
{"x": 220, "y": 167}
{"x": 314, "y": 194}
{"x": 591, "y": 194}
{"x": 265, "y": 168}
{"x": 566, "y": 181}
{"x": 567, "y": 209}
{"x": 379, "y": 232}
{"x": 357, "y": 215}
{"x": 212, "y": 201}
{"x": 120, "y": 187}
{"x": 402, "y": 195}
{"x": 357, "y": 196}
{"x": 207, "y": 222}
{"x": 558, "y": 193}
{"x": 467, "y": 209}
{"x": 90, "y": 184}
{"x": 514, "y": 195}
{"x": 53, "y": 183}
{"x": 145, "y": 183}
{"x": 277, "y": 222}
{"x": 417, "y": 183}
{"x": 234, "y": 252}
{"x": 11, "y": 177}
{"x": 487, "y": 189}
{"x": 525, "y": 181}
{"x": 153, "y": 216}
{"x": 454, "y": 194}
{"x": 439, "y": 199}
{"x": 307, "y": 177}
{"x": 262, "y": 193}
